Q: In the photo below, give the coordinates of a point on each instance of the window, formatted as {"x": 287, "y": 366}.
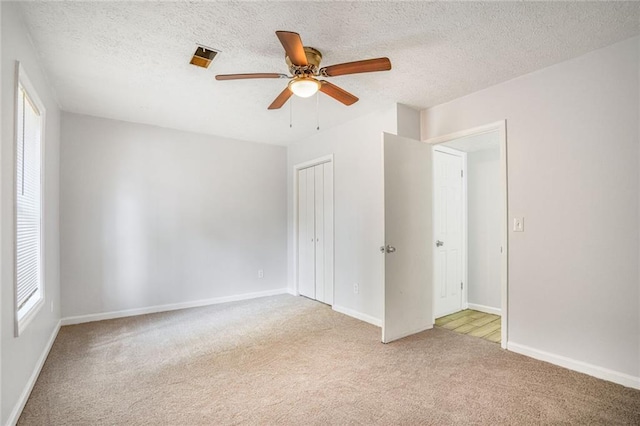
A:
{"x": 29, "y": 295}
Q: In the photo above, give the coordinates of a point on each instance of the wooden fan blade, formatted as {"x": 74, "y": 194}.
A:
{"x": 369, "y": 65}
{"x": 282, "y": 99}
{"x": 337, "y": 93}
{"x": 292, "y": 44}
{"x": 245, "y": 76}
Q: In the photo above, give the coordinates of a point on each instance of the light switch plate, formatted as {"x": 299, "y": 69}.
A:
{"x": 518, "y": 224}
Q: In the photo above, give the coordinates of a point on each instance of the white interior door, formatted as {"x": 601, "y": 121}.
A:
{"x": 448, "y": 232}
{"x": 306, "y": 237}
{"x": 408, "y": 234}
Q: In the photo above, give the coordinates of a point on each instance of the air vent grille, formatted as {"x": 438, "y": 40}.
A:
{"x": 203, "y": 56}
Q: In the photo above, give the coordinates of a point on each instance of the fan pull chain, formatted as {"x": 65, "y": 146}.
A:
{"x": 317, "y": 110}
{"x": 291, "y": 113}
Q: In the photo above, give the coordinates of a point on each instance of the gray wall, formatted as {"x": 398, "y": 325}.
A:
{"x": 20, "y": 355}
{"x": 484, "y": 227}
{"x": 572, "y": 135}
{"x": 151, "y": 216}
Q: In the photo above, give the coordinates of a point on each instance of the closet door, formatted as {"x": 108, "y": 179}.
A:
{"x": 315, "y": 232}
{"x": 306, "y": 237}
{"x": 327, "y": 193}
{"x": 318, "y": 172}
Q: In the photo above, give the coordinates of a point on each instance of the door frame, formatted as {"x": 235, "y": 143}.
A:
{"x": 501, "y": 128}
{"x": 464, "y": 302}
{"x": 296, "y": 168}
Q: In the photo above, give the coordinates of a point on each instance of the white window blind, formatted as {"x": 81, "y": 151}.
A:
{"x": 28, "y": 205}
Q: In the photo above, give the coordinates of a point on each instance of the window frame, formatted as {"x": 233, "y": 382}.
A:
{"x": 22, "y": 80}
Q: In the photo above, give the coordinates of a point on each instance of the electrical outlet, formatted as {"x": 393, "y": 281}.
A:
{"x": 518, "y": 224}
{"x": 356, "y": 288}
{"x": 260, "y": 273}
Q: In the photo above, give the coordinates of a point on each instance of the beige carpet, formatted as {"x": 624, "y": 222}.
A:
{"x": 288, "y": 360}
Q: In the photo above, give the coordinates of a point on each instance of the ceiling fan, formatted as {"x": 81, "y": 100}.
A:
{"x": 304, "y": 65}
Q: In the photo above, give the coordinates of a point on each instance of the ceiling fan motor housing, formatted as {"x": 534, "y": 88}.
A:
{"x": 305, "y": 70}
{"x": 314, "y": 57}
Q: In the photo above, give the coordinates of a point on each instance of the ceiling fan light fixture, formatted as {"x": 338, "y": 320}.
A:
{"x": 304, "y": 87}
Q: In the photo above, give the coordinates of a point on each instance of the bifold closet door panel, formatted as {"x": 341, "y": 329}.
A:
{"x": 311, "y": 233}
{"x": 318, "y": 172}
{"x": 306, "y": 274}
{"x": 328, "y": 231}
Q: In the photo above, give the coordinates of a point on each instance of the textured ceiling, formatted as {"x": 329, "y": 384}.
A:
{"x": 475, "y": 143}
{"x": 130, "y": 61}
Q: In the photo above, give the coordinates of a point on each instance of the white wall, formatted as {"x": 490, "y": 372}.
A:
{"x": 408, "y": 122}
{"x": 573, "y": 161}
{"x": 484, "y": 227}
{"x": 151, "y": 216}
{"x": 2, "y": 72}
{"x": 359, "y": 204}
{"x": 20, "y": 356}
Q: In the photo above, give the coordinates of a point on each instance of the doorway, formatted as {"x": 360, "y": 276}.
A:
{"x": 409, "y": 243}
{"x": 470, "y": 232}
{"x": 314, "y": 222}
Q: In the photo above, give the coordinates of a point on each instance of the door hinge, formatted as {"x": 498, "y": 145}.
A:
{"x": 461, "y": 286}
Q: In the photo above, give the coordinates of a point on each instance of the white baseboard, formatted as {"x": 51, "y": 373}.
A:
{"x": 575, "y": 365}
{"x": 170, "y": 307}
{"x": 358, "y": 315}
{"x": 410, "y": 333}
{"x": 24, "y": 396}
{"x": 486, "y": 309}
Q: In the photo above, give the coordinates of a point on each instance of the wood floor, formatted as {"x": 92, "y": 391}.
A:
{"x": 473, "y": 323}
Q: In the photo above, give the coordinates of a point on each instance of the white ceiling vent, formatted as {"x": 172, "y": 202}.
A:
{"x": 204, "y": 56}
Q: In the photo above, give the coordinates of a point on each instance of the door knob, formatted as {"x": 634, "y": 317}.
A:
{"x": 439, "y": 243}
{"x": 390, "y": 249}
